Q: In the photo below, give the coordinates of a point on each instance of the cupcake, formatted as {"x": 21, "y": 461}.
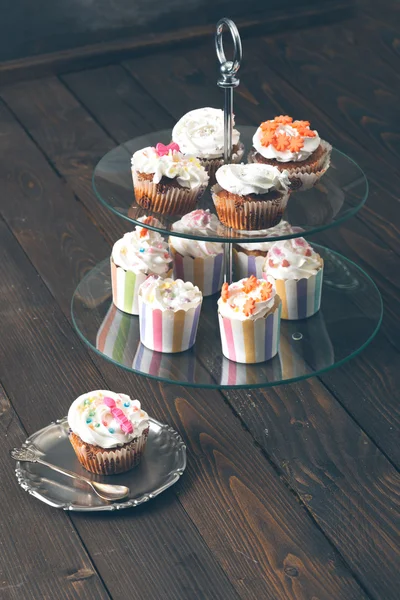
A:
{"x": 249, "y": 313}
{"x": 200, "y": 133}
{"x": 250, "y": 197}
{"x": 249, "y": 257}
{"x": 198, "y": 261}
{"x": 165, "y": 181}
{"x": 169, "y": 312}
{"x": 135, "y": 256}
{"x": 292, "y": 146}
{"x": 108, "y": 431}
{"x": 297, "y": 272}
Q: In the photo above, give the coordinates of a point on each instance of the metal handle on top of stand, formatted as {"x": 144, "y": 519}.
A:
{"x": 228, "y": 81}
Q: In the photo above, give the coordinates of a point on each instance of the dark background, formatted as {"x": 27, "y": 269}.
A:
{"x": 29, "y": 27}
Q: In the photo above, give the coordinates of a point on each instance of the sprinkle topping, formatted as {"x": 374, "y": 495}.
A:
{"x": 285, "y": 134}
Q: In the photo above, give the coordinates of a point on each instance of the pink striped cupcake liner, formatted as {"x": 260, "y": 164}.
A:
{"x": 207, "y": 273}
{"x": 301, "y": 298}
{"x": 251, "y": 341}
{"x": 125, "y": 288}
{"x": 168, "y": 330}
{"x": 247, "y": 264}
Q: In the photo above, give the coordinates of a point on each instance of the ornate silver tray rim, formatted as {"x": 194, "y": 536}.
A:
{"x": 176, "y": 446}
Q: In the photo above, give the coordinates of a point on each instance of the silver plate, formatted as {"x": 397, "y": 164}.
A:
{"x": 162, "y": 464}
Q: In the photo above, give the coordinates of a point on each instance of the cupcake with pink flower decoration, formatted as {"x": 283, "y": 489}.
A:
{"x": 135, "y": 256}
{"x": 108, "y": 431}
{"x": 198, "y": 261}
{"x": 166, "y": 181}
{"x": 296, "y": 270}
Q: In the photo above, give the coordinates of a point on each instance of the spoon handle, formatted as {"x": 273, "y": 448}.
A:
{"x": 63, "y": 471}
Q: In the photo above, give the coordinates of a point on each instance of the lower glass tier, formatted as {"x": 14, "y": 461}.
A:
{"x": 350, "y": 316}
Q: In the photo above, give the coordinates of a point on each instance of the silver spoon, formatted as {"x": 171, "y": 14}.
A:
{"x": 103, "y": 490}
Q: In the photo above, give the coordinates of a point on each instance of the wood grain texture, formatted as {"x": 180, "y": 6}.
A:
{"x": 53, "y": 562}
{"x": 259, "y": 534}
{"x": 36, "y": 334}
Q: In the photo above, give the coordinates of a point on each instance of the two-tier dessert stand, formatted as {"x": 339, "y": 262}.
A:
{"x": 351, "y": 309}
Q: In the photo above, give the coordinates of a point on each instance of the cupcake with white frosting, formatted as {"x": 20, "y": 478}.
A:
{"x": 296, "y": 270}
{"x": 135, "y": 256}
{"x": 249, "y": 320}
{"x": 250, "y": 197}
{"x": 198, "y": 261}
{"x": 165, "y": 181}
{"x": 249, "y": 257}
{"x": 169, "y": 312}
{"x": 200, "y": 133}
{"x": 108, "y": 431}
{"x": 292, "y": 145}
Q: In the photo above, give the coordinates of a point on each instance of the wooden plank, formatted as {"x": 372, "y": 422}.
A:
{"x": 105, "y": 52}
{"x": 53, "y": 562}
{"x": 237, "y": 507}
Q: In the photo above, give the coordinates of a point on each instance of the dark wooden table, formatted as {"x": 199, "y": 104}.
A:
{"x": 290, "y": 493}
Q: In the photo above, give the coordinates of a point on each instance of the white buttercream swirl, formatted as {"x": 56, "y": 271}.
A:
{"x": 292, "y": 259}
{"x": 187, "y": 170}
{"x": 233, "y": 307}
{"x": 92, "y": 420}
{"x": 201, "y": 132}
{"x": 198, "y": 222}
{"x": 170, "y": 294}
{"x": 283, "y": 228}
{"x": 270, "y": 152}
{"x": 139, "y": 253}
{"x": 254, "y": 178}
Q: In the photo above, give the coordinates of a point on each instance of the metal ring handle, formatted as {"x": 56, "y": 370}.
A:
{"x": 231, "y": 67}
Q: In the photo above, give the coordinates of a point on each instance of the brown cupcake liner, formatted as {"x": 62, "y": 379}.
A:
{"x": 251, "y": 215}
{"x": 212, "y": 165}
{"x": 109, "y": 461}
{"x": 304, "y": 177}
{"x": 163, "y": 199}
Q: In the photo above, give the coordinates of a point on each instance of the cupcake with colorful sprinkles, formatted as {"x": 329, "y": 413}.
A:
{"x": 249, "y": 314}
{"x": 169, "y": 312}
{"x": 108, "y": 431}
{"x": 198, "y": 261}
{"x": 296, "y": 270}
{"x": 293, "y": 146}
{"x": 167, "y": 182}
{"x": 135, "y": 256}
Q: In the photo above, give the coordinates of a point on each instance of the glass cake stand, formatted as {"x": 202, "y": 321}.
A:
{"x": 351, "y": 309}
{"x": 350, "y": 317}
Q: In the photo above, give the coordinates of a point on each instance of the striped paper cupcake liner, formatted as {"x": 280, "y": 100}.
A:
{"x": 251, "y": 341}
{"x": 247, "y": 264}
{"x": 301, "y": 298}
{"x": 125, "y": 288}
{"x": 168, "y": 330}
{"x": 207, "y": 273}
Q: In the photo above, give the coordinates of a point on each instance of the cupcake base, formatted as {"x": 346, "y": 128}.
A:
{"x": 212, "y": 165}
{"x": 305, "y": 174}
{"x": 166, "y": 197}
{"x": 109, "y": 461}
{"x": 247, "y": 212}
{"x": 206, "y": 273}
{"x": 248, "y": 262}
{"x": 251, "y": 341}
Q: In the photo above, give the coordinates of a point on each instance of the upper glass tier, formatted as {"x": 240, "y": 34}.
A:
{"x": 339, "y": 195}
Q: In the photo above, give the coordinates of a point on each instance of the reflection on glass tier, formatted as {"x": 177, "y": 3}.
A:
{"x": 349, "y": 318}
{"x": 339, "y": 194}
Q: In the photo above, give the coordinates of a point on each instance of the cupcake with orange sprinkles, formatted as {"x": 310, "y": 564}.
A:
{"x": 292, "y": 146}
{"x": 249, "y": 314}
